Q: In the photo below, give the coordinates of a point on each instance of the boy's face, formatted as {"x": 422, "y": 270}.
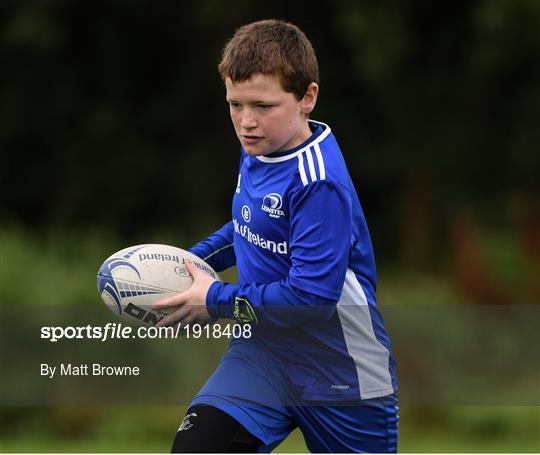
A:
{"x": 266, "y": 118}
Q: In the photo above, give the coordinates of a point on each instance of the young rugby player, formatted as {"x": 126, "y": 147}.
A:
{"x": 319, "y": 357}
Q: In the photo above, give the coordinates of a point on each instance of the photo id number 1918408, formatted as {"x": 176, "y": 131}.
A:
{"x": 217, "y": 331}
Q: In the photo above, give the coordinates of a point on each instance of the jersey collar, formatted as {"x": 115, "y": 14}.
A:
{"x": 321, "y": 130}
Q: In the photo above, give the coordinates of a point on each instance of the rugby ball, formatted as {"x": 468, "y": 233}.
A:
{"x": 132, "y": 279}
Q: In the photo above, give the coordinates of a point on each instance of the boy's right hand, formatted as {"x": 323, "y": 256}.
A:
{"x": 191, "y": 303}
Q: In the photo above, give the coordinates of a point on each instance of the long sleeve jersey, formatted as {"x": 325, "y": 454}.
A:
{"x": 306, "y": 272}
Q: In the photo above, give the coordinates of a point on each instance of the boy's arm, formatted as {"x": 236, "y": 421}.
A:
{"x": 321, "y": 217}
{"x": 217, "y": 249}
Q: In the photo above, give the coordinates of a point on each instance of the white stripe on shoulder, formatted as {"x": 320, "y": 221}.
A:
{"x": 320, "y": 161}
{"x": 302, "y": 170}
{"x": 311, "y": 165}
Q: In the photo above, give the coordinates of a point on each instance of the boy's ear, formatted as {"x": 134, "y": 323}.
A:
{"x": 310, "y": 98}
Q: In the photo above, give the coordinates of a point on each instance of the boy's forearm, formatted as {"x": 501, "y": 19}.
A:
{"x": 277, "y": 304}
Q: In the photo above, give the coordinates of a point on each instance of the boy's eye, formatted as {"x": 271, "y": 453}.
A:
{"x": 264, "y": 106}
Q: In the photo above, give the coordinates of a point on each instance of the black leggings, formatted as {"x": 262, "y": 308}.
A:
{"x": 206, "y": 429}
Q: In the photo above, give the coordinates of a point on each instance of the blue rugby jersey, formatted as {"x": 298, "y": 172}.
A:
{"x": 306, "y": 272}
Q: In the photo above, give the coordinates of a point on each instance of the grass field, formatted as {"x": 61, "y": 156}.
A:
{"x": 150, "y": 429}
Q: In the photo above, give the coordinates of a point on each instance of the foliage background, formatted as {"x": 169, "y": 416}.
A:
{"x": 114, "y": 131}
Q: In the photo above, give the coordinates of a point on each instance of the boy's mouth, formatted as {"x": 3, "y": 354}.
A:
{"x": 249, "y": 138}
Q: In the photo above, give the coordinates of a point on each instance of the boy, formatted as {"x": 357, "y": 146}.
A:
{"x": 319, "y": 357}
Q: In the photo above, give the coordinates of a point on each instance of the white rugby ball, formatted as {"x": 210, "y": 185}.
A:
{"x": 132, "y": 279}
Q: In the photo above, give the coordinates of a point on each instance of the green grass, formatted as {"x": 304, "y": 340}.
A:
{"x": 485, "y": 429}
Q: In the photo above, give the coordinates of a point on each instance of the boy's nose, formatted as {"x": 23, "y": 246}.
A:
{"x": 248, "y": 121}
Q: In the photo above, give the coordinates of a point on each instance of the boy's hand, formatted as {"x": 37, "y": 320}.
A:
{"x": 191, "y": 303}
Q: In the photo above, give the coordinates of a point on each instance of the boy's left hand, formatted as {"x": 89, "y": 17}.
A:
{"x": 191, "y": 303}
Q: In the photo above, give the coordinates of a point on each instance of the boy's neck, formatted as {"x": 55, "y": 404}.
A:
{"x": 305, "y": 134}
{"x": 312, "y": 128}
